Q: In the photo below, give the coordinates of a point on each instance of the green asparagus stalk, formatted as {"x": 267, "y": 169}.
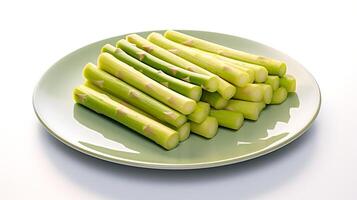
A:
{"x": 279, "y": 96}
{"x": 240, "y": 67}
{"x": 102, "y": 104}
{"x": 133, "y": 96}
{"x": 183, "y": 131}
{"x": 267, "y": 93}
{"x": 250, "y": 110}
{"x": 250, "y": 92}
{"x": 225, "y": 89}
{"x": 260, "y": 72}
{"x": 169, "y": 57}
{"x": 273, "y": 81}
{"x": 214, "y": 99}
{"x": 208, "y": 128}
{"x": 228, "y": 119}
{"x": 189, "y": 90}
{"x": 220, "y": 68}
{"x": 274, "y": 67}
{"x": 110, "y": 64}
{"x": 168, "y": 68}
{"x": 288, "y": 82}
{"x": 200, "y": 113}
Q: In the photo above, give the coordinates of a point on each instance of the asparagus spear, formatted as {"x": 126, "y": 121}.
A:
{"x": 109, "y": 63}
{"x": 208, "y": 128}
{"x": 279, "y": 96}
{"x": 143, "y": 56}
{"x": 288, "y": 82}
{"x": 102, "y": 104}
{"x": 229, "y": 119}
{"x": 250, "y": 110}
{"x": 214, "y": 99}
{"x": 267, "y": 93}
{"x": 224, "y": 88}
{"x": 183, "y": 131}
{"x": 273, "y": 81}
{"x": 260, "y": 72}
{"x": 220, "y": 68}
{"x": 169, "y": 57}
{"x": 133, "y": 96}
{"x": 250, "y": 92}
{"x": 200, "y": 113}
{"x": 274, "y": 67}
{"x": 192, "y": 91}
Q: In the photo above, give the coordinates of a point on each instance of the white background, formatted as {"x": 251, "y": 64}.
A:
{"x": 322, "y": 35}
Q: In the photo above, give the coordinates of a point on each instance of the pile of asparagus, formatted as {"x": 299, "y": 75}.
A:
{"x": 166, "y": 86}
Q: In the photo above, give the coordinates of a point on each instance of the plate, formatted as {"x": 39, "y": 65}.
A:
{"x": 101, "y": 137}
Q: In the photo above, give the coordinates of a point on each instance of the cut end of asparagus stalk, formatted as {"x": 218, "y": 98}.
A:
{"x": 250, "y": 110}
{"x": 200, "y": 113}
{"x": 267, "y": 93}
{"x": 172, "y": 141}
{"x": 228, "y": 119}
{"x": 188, "y": 107}
{"x": 288, "y": 82}
{"x": 279, "y": 96}
{"x": 211, "y": 84}
{"x": 261, "y": 75}
{"x": 214, "y": 99}
{"x": 227, "y": 91}
{"x": 251, "y": 92}
{"x": 184, "y": 131}
{"x": 282, "y": 70}
{"x": 273, "y": 81}
{"x": 243, "y": 80}
{"x": 195, "y": 93}
{"x": 208, "y": 128}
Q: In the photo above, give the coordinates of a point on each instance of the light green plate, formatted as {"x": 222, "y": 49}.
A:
{"x": 103, "y": 138}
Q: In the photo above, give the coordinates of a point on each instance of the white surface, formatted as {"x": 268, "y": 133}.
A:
{"x": 320, "y": 34}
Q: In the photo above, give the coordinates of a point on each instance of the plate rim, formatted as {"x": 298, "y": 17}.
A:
{"x": 155, "y": 165}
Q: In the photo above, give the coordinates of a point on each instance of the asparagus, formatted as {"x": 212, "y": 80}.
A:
{"x": 273, "y": 81}
{"x": 279, "y": 96}
{"x": 288, "y": 82}
{"x": 229, "y": 119}
{"x": 250, "y": 110}
{"x": 214, "y": 99}
{"x": 168, "y": 68}
{"x": 102, "y": 104}
{"x": 220, "y": 68}
{"x": 208, "y": 128}
{"x": 224, "y": 88}
{"x": 233, "y": 63}
{"x": 267, "y": 93}
{"x": 183, "y": 131}
{"x": 169, "y": 57}
{"x": 133, "y": 96}
{"x": 274, "y": 67}
{"x": 192, "y": 91}
{"x": 250, "y": 92}
{"x": 260, "y": 72}
{"x": 200, "y": 113}
{"x": 109, "y": 63}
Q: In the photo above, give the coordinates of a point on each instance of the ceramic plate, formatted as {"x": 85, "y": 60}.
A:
{"x": 106, "y": 139}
